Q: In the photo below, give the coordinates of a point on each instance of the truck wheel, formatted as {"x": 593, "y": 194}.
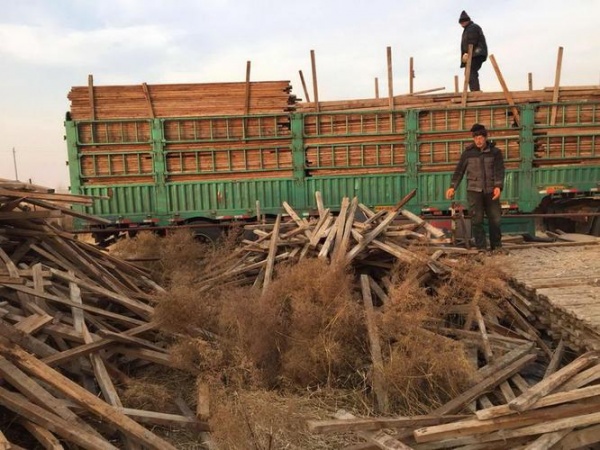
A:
{"x": 209, "y": 234}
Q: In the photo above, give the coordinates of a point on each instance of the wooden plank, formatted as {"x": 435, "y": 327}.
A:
{"x": 556, "y": 359}
{"x": 37, "y": 394}
{"x": 507, "y": 93}
{"x": 43, "y": 436}
{"x": 556, "y": 90}
{"x": 465, "y": 92}
{"x": 457, "y": 403}
{"x": 527, "y": 399}
{"x": 378, "y": 378}
{"x": 549, "y": 400}
{"x": 148, "y": 101}
{"x": 164, "y": 419}
{"x": 469, "y": 427}
{"x": 82, "y": 397}
{"x": 93, "y": 309}
{"x": 44, "y": 418}
{"x": 82, "y": 350}
{"x": 92, "y": 103}
{"x": 272, "y": 254}
{"x": 378, "y": 423}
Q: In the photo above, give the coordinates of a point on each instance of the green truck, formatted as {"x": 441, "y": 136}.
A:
{"x": 210, "y": 170}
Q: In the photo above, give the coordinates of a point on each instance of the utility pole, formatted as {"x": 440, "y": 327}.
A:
{"x": 15, "y": 163}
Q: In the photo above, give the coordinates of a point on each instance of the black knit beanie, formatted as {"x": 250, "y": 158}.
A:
{"x": 478, "y": 130}
{"x": 464, "y": 17}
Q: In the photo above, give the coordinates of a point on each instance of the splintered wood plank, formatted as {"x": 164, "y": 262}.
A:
{"x": 378, "y": 423}
{"x": 81, "y": 396}
{"x": 82, "y": 350}
{"x": 4, "y": 444}
{"x": 44, "y": 418}
{"x": 330, "y": 239}
{"x": 43, "y": 436}
{"x": 39, "y": 395}
{"x": 378, "y": 377}
{"x": 33, "y": 323}
{"x": 343, "y": 234}
{"x": 92, "y": 309}
{"x": 472, "y": 427}
{"x": 28, "y": 342}
{"x": 457, "y": 403}
{"x": 164, "y": 419}
{"x": 138, "y": 307}
{"x": 272, "y": 254}
{"x": 534, "y": 393}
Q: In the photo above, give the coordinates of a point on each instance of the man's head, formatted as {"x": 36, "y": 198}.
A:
{"x": 479, "y": 135}
{"x": 464, "y": 19}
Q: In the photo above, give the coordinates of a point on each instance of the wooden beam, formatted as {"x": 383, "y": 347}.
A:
{"x": 507, "y": 94}
{"x": 390, "y": 78}
{"x": 465, "y": 92}
{"x": 91, "y": 99}
{"x": 272, "y": 254}
{"x": 379, "y": 388}
{"x": 556, "y": 90}
{"x": 534, "y": 393}
{"x": 148, "y": 100}
{"x": 411, "y": 74}
{"x": 306, "y": 96}
{"x": 313, "y": 66}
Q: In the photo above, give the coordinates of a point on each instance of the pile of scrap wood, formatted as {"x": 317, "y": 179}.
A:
{"x": 559, "y": 412}
{"x": 72, "y": 320}
{"x": 528, "y": 392}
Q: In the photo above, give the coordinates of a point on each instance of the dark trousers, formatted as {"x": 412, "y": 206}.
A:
{"x": 480, "y": 204}
{"x": 476, "y": 63}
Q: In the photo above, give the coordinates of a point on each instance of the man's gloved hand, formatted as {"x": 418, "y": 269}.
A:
{"x": 450, "y": 193}
{"x": 465, "y": 57}
{"x": 496, "y": 195}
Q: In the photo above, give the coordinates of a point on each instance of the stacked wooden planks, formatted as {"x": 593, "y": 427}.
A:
{"x": 179, "y": 100}
{"x": 443, "y": 125}
{"x": 242, "y": 130}
{"x": 72, "y": 320}
{"x": 211, "y": 130}
{"x": 562, "y": 283}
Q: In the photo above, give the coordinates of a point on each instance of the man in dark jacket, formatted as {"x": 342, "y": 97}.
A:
{"x": 472, "y": 34}
{"x": 483, "y": 164}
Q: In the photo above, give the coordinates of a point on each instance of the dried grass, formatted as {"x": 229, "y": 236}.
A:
{"x": 307, "y": 330}
{"x": 266, "y": 357}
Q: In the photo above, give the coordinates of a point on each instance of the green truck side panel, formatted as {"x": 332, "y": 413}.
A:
{"x": 420, "y": 135}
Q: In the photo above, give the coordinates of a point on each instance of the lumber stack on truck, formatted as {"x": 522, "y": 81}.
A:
{"x": 215, "y": 151}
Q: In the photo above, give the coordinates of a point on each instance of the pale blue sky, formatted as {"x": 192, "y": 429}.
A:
{"x": 48, "y": 46}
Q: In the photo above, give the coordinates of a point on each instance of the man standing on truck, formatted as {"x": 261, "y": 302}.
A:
{"x": 483, "y": 164}
{"x": 472, "y": 34}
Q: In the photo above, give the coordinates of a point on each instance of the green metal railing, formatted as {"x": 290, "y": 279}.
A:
{"x": 225, "y": 128}
{"x": 110, "y": 132}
